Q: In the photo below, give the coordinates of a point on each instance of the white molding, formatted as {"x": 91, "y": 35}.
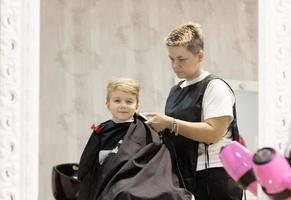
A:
{"x": 30, "y": 99}
{"x": 19, "y": 93}
{"x": 10, "y": 102}
{"x": 274, "y": 72}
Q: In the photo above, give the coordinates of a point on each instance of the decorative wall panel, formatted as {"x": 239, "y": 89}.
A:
{"x": 19, "y": 99}
{"x": 274, "y": 74}
{"x": 10, "y": 104}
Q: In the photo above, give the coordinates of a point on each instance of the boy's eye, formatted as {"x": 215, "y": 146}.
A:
{"x": 129, "y": 102}
{"x": 116, "y": 100}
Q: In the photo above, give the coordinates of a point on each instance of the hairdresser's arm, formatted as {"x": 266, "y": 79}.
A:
{"x": 210, "y": 131}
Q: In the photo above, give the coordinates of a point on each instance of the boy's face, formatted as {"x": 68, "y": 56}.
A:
{"x": 122, "y": 105}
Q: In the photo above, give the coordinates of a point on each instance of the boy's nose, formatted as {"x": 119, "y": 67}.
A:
{"x": 123, "y": 104}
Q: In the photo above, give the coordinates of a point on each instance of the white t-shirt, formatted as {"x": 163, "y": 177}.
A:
{"x": 218, "y": 100}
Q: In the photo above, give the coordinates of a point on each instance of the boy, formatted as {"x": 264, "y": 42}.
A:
{"x": 140, "y": 168}
{"x": 122, "y": 102}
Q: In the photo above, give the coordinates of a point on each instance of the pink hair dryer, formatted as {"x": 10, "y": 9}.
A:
{"x": 237, "y": 161}
{"x": 273, "y": 173}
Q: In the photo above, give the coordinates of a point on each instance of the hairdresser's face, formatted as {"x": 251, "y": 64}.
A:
{"x": 122, "y": 105}
{"x": 185, "y": 64}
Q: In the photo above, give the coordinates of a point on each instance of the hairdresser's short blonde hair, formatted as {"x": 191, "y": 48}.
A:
{"x": 123, "y": 84}
{"x": 188, "y": 35}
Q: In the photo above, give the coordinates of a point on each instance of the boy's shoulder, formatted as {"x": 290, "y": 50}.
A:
{"x": 99, "y": 128}
{"x": 109, "y": 126}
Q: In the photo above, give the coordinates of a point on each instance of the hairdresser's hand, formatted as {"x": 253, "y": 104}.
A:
{"x": 158, "y": 121}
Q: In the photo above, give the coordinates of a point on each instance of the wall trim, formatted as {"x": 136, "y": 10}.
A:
{"x": 19, "y": 99}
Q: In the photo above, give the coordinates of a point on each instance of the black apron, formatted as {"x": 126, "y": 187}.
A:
{"x": 186, "y": 104}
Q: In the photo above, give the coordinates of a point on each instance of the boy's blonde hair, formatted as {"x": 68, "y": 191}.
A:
{"x": 188, "y": 35}
{"x": 124, "y": 85}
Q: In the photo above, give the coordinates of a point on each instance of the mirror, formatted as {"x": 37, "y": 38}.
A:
{"x": 85, "y": 43}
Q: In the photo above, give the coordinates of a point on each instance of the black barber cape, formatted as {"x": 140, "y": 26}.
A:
{"x": 139, "y": 168}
